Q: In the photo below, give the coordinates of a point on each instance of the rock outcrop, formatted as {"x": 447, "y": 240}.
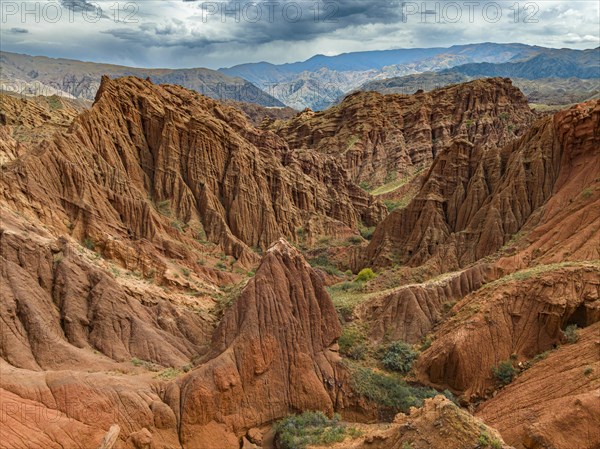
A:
{"x": 518, "y": 316}
{"x": 275, "y": 346}
{"x": 555, "y": 403}
{"x": 474, "y": 199}
{"x": 438, "y": 424}
{"x": 381, "y": 138}
{"x": 410, "y": 312}
{"x": 165, "y": 165}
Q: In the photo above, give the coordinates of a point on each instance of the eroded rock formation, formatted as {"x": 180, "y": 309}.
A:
{"x": 146, "y": 156}
{"x": 556, "y": 402}
{"x": 380, "y": 138}
{"x": 275, "y": 347}
{"x": 474, "y": 199}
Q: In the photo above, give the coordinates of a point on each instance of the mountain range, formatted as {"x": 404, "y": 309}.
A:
{"x": 39, "y": 75}
{"x": 321, "y": 81}
{"x": 174, "y": 275}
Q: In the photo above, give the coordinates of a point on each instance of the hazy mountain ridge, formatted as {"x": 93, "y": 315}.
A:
{"x": 321, "y": 80}
{"x": 39, "y": 75}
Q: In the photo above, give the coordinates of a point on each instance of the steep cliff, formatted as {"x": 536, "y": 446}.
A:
{"x": 474, "y": 200}
{"x": 165, "y": 165}
{"x": 383, "y": 138}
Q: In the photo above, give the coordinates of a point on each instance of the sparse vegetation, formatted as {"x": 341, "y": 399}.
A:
{"x": 485, "y": 441}
{"x": 588, "y": 370}
{"x": 186, "y": 272}
{"x": 89, "y": 243}
{"x": 505, "y": 372}
{"x": 392, "y": 205}
{"x": 346, "y": 296}
{"x": 365, "y": 275}
{"x": 355, "y": 240}
{"x": 426, "y": 344}
{"x": 150, "y": 366}
{"x": 365, "y": 186}
{"x": 164, "y": 207}
{"x": 311, "y": 428}
{"x": 322, "y": 262}
{"x": 168, "y": 374}
{"x": 367, "y": 233}
{"x": 353, "y": 342}
{"x": 392, "y": 395}
{"x": 571, "y": 334}
{"x": 399, "y": 356}
{"x": 587, "y": 193}
{"x": 221, "y": 266}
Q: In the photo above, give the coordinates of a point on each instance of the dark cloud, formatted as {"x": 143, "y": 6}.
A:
{"x": 83, "y": 6}
{"x": 184, "y": 33}
{"x": 19, "y": 30}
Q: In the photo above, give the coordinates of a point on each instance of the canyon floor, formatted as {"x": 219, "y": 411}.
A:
{"x": 397, "y": 271}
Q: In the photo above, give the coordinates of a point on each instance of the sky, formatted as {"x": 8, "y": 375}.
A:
{"x": 188, "y": 33}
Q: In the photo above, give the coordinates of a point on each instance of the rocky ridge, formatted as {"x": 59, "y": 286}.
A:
{"x": 384, "y": 138}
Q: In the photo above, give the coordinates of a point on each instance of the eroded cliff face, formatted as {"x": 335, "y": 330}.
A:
{"x": 146, "y": 157}
{"x": 71, "y": 328}
{"x": 554, "y": 403}
{"x": 275, "y": 347}
{"x": 381, "y": 138}
{"x": 474, "y": 200}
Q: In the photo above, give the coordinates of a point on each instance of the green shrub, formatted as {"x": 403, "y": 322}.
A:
{"x": 353, "y": 342}
{"x": 365, "y": 275}
{"x": 150, "y": 366}
{"x": 399, "y": 356}
{"x": 588, "y": 370}
{"x": 504, "y": 372}
{"x": 390, "y": 394}
{"x": 89, "y": 243}
{"x": 571, "y": 334}
{"x": 367, "y": 233}
{"x": 426, "y": 344}
{"x": 221, "y": 266}
{"x": 322, "y": 262}
{"x": 355, "y": 240}
{"x": 168, "y": 374}
{"x": 186, "y": 272}
{"x": 310, "y": 428}
{"x": 392, "y": 205}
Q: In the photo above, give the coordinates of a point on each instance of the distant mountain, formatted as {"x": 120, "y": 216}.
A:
{"x": 321, "y": 80}
{"x": 550, "y": 63}
{"x": 572, "y": 76}
{"x": 39, "y": 75}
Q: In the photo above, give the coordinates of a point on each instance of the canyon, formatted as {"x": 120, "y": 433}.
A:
{"x": 183, "y": 272}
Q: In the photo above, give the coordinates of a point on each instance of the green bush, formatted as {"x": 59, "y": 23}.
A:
{"x": 355, "y": 240}
{"x": 504, "y": 372}
{"x": 390, "y": 394}
{"x": 571, "y": 334}
{"x": 365, "y": 275}
{"x": 399, "y": 356}
{"x": 367, "y": 233}
{"x": 89, "y": 243}
{"x": 310, "y": 428}
{"x": 392, "y": 205}
{"x": 322, "y": 262}
{"x": 353, "y": 342}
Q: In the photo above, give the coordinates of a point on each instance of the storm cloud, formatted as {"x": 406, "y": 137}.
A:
{"x": 183, "y": 33}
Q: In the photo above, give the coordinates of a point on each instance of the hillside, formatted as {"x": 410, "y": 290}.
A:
{"x": 323, "y": 80}
{"x": 39, "y": 75}
{"x": 174, "y": 276}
